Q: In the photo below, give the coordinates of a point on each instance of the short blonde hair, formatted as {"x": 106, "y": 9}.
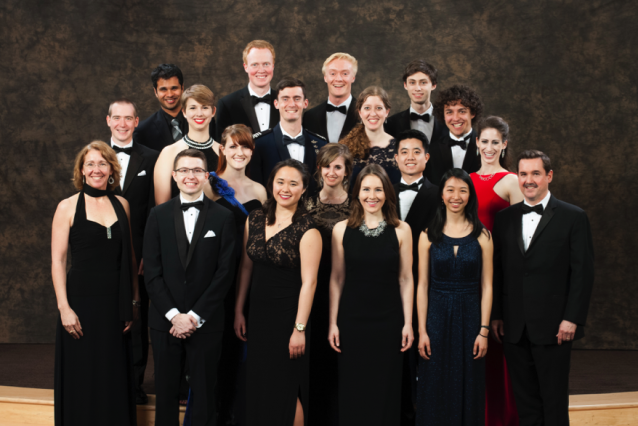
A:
{"x": 258, "y": 44}
{"x": 344, "y": 56}
{"x": 110, "y": 157}
{"x": 200, "y": 93}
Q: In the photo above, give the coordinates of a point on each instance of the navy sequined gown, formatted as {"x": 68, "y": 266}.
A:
{"x": 451, "y": 385}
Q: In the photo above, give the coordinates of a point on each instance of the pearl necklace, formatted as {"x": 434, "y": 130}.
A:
{"x": 197, "y": 145}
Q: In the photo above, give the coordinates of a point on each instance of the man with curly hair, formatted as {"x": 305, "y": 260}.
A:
{"x": 458, "y": 107}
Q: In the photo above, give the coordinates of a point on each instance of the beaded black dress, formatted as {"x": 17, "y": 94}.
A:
{"x": 381, "y": 156}
{"x": 274, "y": 381}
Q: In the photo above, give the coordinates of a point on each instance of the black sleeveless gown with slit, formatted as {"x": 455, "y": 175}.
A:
{"x": 94, "y": 375}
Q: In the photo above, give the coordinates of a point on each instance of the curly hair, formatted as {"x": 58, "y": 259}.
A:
{"x": 459, "y": 93}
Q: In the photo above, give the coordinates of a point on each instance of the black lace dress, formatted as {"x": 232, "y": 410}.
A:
{"x": 323, "y": 363}
{"x": 381, "y": 156}
{"x": 274, "y": 380}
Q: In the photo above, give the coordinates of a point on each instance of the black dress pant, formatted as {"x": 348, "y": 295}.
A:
{"x": 202, "y": 352}
{"x": 139, "y": 333}
{"x": 540, "y": 379}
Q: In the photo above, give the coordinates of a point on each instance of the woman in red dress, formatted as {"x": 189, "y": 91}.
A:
{"x": 496, "y": 188}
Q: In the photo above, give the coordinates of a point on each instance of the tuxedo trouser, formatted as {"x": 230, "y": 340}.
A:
{"x": 139, "y": 333}
{"x": 202, "y": 351}
{"x": 540, "y": 379}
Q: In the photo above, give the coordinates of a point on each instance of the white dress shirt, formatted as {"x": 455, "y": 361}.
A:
{"x": 426, "y": 128}
{"x": 190, "y": 219}
{"x": 531, "y": 221}
{"x": 335, "y": 120}
{"x": 458, "y": 153}
{"x": 262, "y": 110}
{"x": 406, "y": 198}
{"x": 296, "y": 151}
{"x": 123, "y": 159}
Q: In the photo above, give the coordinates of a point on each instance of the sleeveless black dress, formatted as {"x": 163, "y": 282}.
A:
{"x": 94, "y": 375}
{"x": 274, "y": 380}
{"x": 370, "y": 326}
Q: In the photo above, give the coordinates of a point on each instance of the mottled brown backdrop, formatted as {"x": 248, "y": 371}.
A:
{"x": 563, "y": 73}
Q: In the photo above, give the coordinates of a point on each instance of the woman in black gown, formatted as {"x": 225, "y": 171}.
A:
{"x": 371, "y": 296}
{"x": 454, "y": 302}
{"x": 282, "y": 255}
{"x": 93, "y": 364}
{"x": 198, "y": 106}
{"x": 329, "y": 206}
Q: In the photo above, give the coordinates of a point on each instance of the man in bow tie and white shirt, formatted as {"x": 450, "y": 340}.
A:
{"x": 136, "y": 185}
{"x": 334, "y": 118}
{"x": 543, "y": 278}
{"x": 189, "y": 255}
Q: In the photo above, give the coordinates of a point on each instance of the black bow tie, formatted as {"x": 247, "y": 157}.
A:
{"x": 342, "y": 109}
{"x": 412, "y": 187}
{"x": 538, "y": 208}
{"x": 301, "y": 140}
{"x": 126, "y": 151}
{"x": 197, "y": 204}
{"x": 414, "y": 117}
{"x": 462, "y": 143}
{"x": 255, "y": 99}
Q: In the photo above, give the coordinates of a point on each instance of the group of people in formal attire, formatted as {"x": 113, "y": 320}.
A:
{"x": 336, "y": 266}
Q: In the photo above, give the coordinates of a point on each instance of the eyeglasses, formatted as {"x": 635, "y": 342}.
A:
{"x": 197, "y": 172}
{"x": 93, "y": 166}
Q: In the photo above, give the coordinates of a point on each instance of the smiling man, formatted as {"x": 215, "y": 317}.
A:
{"x": 334, "y": 118}
{"x": 458, "y": 107}
{"x": 252, "y": 105}
{"x": 288, "y": 139}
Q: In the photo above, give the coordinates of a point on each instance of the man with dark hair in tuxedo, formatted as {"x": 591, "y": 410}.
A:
{"x": 252, "y": 105}
{"x": 168, "y": 124}
{"x": 136, "y": 185}
{"x": 288, "y": 139}
{"x": 419, "y": 81}
{"x": 458, "y": 107}
{"x": 334, "y": 118}
{"x": 189, "y": 264}
{"x": 417, "y": 201}
{"x": 543, "y": 278}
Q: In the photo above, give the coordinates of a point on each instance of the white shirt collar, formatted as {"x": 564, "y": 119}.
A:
{"x": 419, "y": 181}
{"x": 290, "y": 136}
{"x": 347, "y": 102}
{"x": 462, "y": 137}
{"x": 182, "y": 200}
{"x": 128, "y": 145}
{"x": 252, "y": 92}
{"x": 544, "y": 202}
{"x": 429, "y": 111}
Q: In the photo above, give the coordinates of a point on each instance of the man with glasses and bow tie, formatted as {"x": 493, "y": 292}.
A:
{"x": 334, "y": 118}
{"x": 252, "y": 105}
{"x": 458, "y": 107}
{"x": 136, "y": 185}
{"x": 189, "y": 254}
{"x": 288, "y": 139}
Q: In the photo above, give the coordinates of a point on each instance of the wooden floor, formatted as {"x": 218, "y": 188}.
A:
{"x": 27, "y": 406}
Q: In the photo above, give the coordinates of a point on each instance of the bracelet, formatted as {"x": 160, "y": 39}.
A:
{"x": 482, "y": 335}
{"x": 486, "y": 326}
{"x": 137, "y": 303}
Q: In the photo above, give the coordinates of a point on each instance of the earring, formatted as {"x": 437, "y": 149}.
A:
{"x": 477, "y": 151}
{"x": 111, "y": 180}
{"x": 83, "y": 181}
{"x": 503, "y": 153}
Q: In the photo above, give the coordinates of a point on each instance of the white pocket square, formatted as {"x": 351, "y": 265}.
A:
{"x": 209, "y": 234}
{"x": 142, "y": 173}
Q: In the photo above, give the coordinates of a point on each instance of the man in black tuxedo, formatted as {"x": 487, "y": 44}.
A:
{"x": 288, "y": 139}
{"x": 189, "y": 263}
{"x": 543, "y": 278}
{"x": 136, "y": 185}
{"x": 168, "y": 124}
{"x": 417, "y": 201}
{"x": 334, "y": 118}
{"x": 252, "y": 105}
{"x": 458, "y": 107}
{"x": 419, "y": 80}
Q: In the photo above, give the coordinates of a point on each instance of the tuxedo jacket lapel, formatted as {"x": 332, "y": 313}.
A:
{"x": 548, "y": 213}
{"x": 396, "y": 192}
{"x": 323, "y": 120}
{"x": 199, "y": 226}
{"x": 180, "y": 232}
{"x": 518, "y": 228}
{"x": 134, "y": 164}
{"x": 351, "y": 120}
{"x": 309, "y": 156}
{"x": 471, "y": 159}
{"x": 249, "y": 109}
{"x": 418, "y": 200}
{"x": 284, "y": 154}
{"x": 274, "y": 112}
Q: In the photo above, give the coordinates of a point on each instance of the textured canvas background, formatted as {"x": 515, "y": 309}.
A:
{"x": 563, "y": 73}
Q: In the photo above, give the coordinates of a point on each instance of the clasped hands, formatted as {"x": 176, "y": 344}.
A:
{"x": 184, "y": 326}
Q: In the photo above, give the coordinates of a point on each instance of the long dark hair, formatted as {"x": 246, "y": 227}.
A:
{"x": 435, "y": 230}
{"x": 270, "y": 205}
{"x": 389, "y": 208}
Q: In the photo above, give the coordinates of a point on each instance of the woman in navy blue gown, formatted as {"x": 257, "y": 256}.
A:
{"x": 454, "y": 301}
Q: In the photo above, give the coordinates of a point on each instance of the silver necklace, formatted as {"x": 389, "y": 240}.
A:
{"x": 204, "y": 145}
{"x": 372, "y": 232}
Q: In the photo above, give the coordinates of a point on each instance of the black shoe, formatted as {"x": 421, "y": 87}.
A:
{"x": 141, "y": 398}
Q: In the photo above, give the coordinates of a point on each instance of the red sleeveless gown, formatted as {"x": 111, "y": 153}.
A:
{"x": 500, "y": 408}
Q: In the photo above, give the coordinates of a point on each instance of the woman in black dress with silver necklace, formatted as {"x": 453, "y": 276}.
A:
{"x": 198, "y": 106}
{"x": 371, "y": 299}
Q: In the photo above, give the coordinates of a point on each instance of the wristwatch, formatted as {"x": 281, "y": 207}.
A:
{"x": 300, "y": 327}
